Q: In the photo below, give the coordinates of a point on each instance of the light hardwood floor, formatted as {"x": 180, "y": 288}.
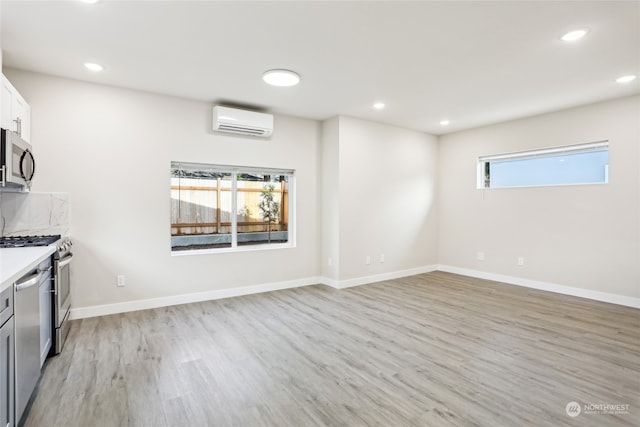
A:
{"x": 430, "y": 350}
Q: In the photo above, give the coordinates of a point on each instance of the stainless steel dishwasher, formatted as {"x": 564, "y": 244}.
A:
{"x": 27, "y": 342}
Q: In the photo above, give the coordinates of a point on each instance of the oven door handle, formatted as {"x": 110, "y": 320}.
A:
{"x": 64, "y": 261}
{"x": 32, "y": 280}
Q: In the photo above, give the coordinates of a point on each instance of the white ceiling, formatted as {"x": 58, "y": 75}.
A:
{"x": 474, "y": 63}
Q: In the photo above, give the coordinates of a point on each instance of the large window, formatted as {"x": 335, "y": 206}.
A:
{"x": 222, "y": 208}
{"x": 570, "y": 165}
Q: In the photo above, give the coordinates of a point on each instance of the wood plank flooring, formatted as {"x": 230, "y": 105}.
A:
{"x": 435, "y": 349}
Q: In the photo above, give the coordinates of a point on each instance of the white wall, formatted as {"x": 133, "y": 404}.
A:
{"x": 363, "y": 189}
{"x": 111, "y": 149}
{"x": 577, "y": 236}
{"x": 386, "y": 198}
{"x": 330, "y": 200}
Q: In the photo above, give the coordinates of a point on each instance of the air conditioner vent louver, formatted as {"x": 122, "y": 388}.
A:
{"x": 232, "y": 120}
{"x": 240, "y": 129}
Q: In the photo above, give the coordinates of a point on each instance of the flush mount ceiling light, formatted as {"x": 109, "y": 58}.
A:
{"x": 93, "y": 66}
{"x": 281, "y": 78}
{"x": 572, "y": 36}
{"x": 625, "y": 79}
{"x": 379, "y": 105}
{"x": 90, "y": 1}
{"x": 444, "y": 122}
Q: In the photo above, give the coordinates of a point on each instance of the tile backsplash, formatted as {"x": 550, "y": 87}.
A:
{"x": 34, "y": 213}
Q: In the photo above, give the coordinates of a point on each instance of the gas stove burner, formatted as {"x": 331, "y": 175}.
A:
{"x": 28, "y": 241}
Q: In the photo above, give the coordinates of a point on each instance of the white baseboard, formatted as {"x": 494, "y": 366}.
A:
{"x": 143, "y": 304}
{"x": 342, "y": 284}
{"x": 329, "y": 282}
{"x": 123, "y": 307}
{"x": 545, "y": 286}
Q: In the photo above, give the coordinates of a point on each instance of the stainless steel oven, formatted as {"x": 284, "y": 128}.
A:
{"x": 62, "y": 260}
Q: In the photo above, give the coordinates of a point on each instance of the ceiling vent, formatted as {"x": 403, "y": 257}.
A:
{"x": 243, "y": 122}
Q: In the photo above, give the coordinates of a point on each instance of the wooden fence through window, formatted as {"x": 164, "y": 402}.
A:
{"x": 198, "y": 210}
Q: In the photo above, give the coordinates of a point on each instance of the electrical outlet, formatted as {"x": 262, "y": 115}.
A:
{"x": 381, "y": 258}
{"x": 480, "y": 256}
{"x": 520, "y": 261}
{"x": 329, "y": 262}
{"x": 121, "y": 281}
{"x": 368, "y": 260}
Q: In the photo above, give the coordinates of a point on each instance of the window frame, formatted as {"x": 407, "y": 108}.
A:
{"x": 234, "y": 170}
{"x": 482, "y": 183}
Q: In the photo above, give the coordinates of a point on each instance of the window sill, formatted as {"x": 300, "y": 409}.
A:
{"x": 575, "y": 184}
{"x": 248, "y": 248}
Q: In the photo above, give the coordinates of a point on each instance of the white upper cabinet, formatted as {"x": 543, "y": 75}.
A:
{"x": 6, "y": 104}
{"x": 15, "y": 113}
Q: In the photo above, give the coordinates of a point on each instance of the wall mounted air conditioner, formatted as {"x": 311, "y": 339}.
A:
{"x": 233, "y": 120}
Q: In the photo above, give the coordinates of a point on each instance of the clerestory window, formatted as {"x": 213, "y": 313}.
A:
{"x": 570, "y": 165}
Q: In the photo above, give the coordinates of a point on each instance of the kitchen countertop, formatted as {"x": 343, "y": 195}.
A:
{"x": 16, "y": 262}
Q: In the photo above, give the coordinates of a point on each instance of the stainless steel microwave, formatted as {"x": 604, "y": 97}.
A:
{"x": 17, "y": 164}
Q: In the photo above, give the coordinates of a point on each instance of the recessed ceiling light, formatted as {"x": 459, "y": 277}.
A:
{"x": 282, "y": 78}
{"x": 93, "y": 66}
{"x": 625, "y": 79}
{"x": 572, "y": 36}
{"x": 379, "y": 105}
{"x": 444, "y": 122}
